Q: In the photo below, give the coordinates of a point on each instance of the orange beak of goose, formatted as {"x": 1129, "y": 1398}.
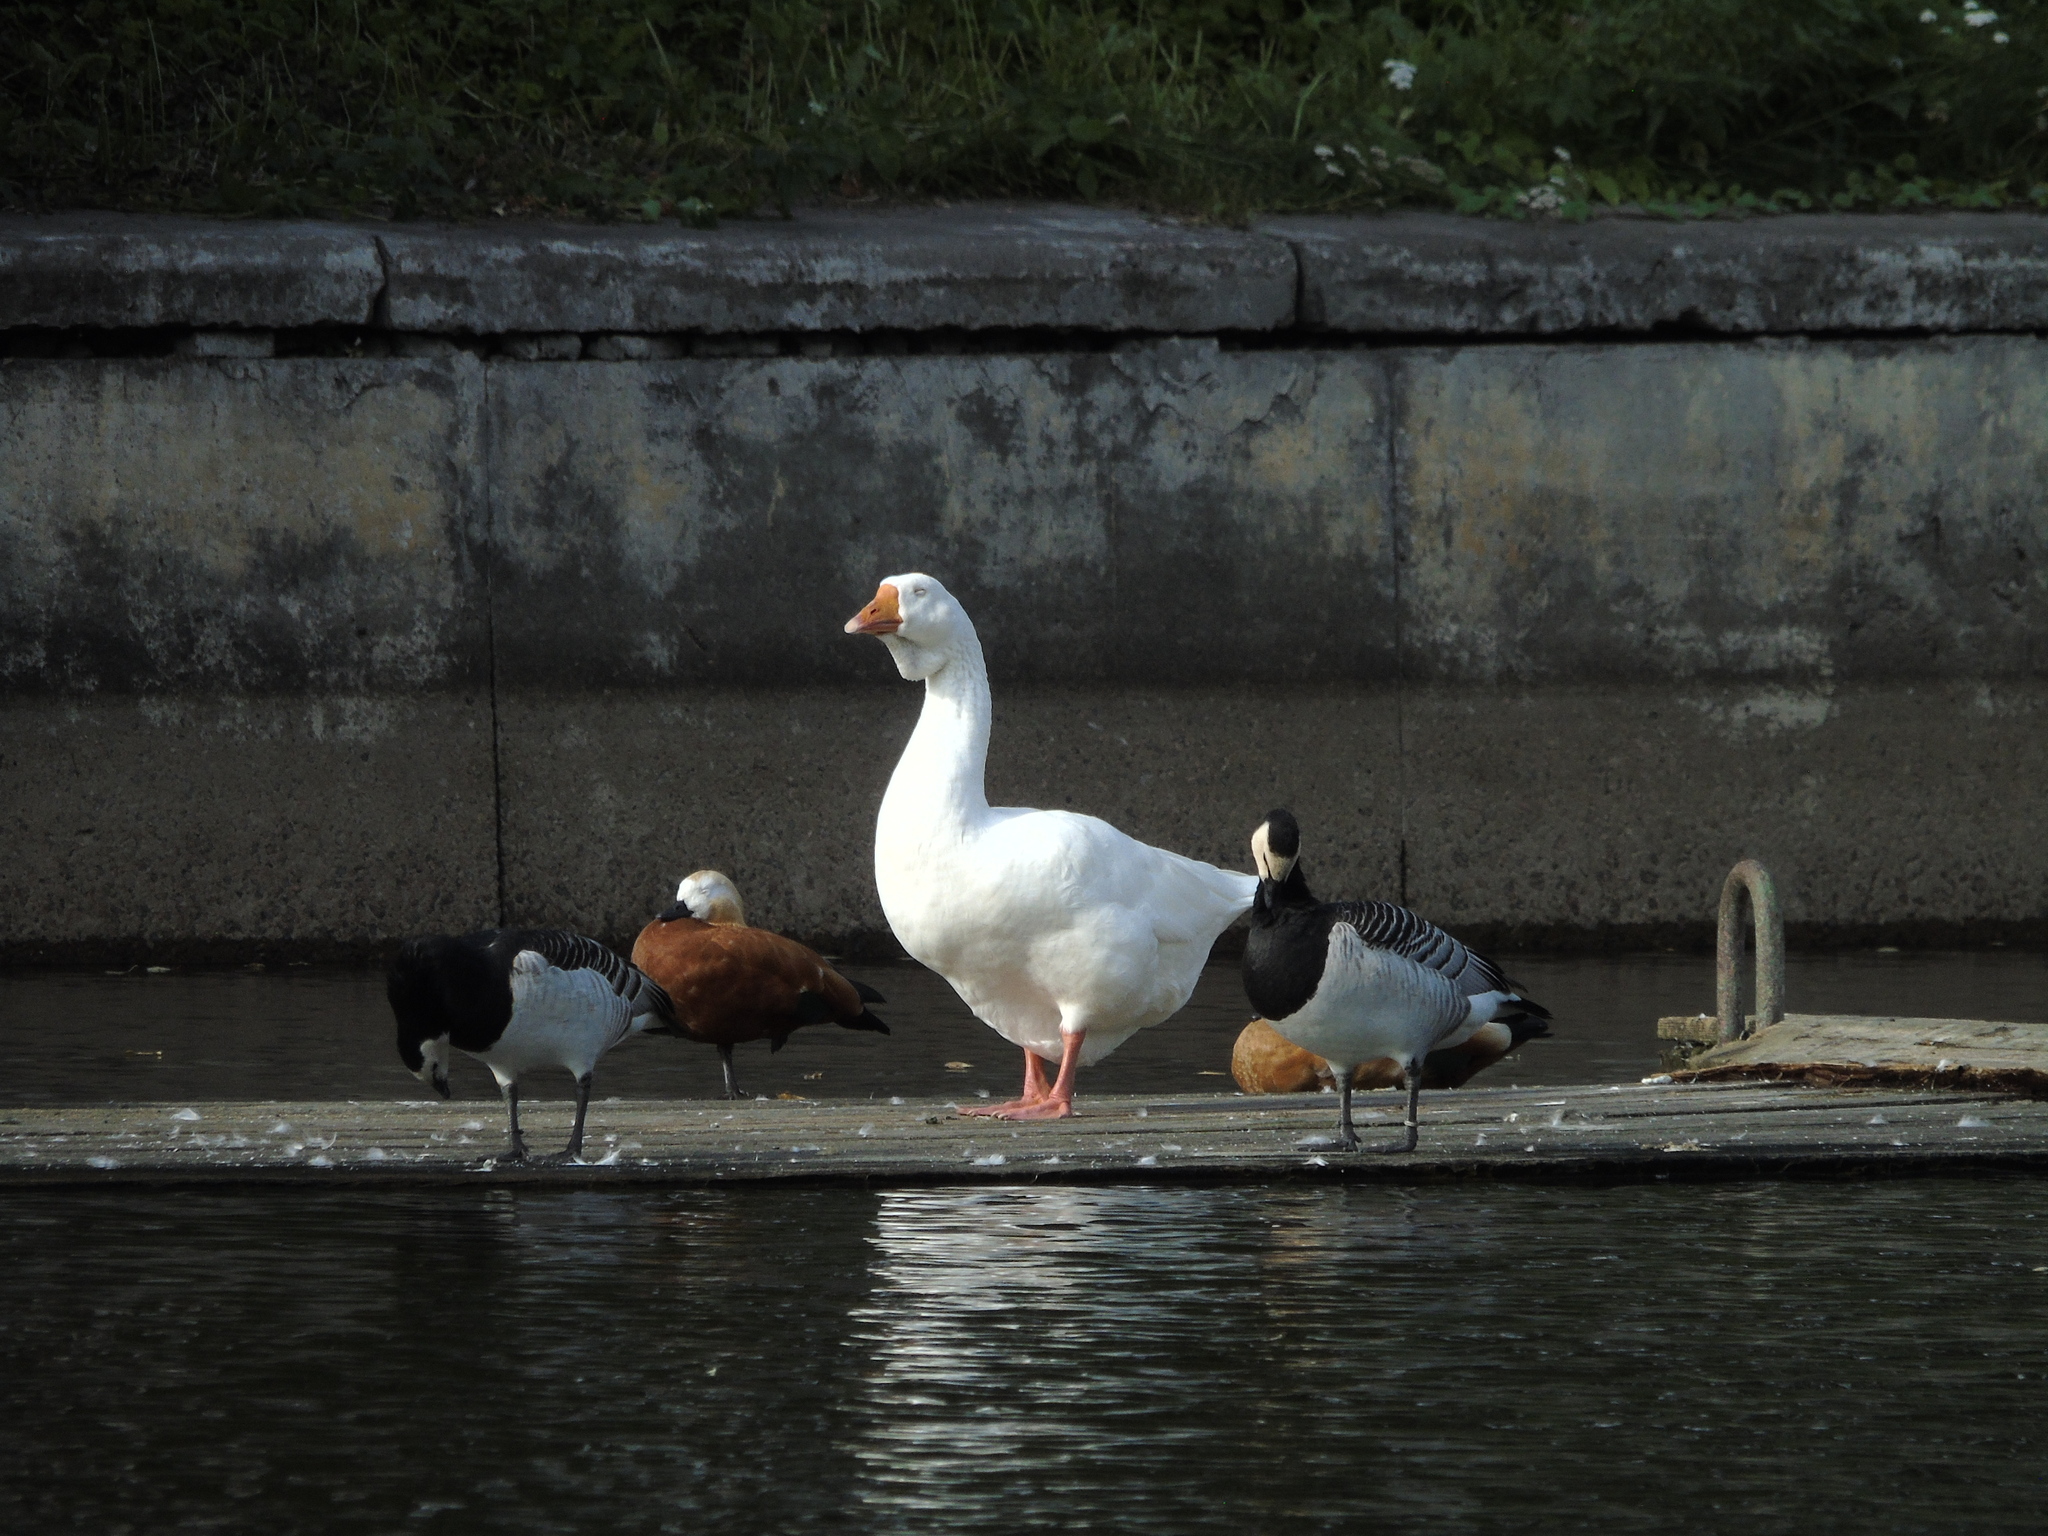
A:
{"x": 880, "y": 617}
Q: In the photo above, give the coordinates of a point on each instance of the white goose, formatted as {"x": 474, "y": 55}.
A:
{"x": 1062, "y": 934}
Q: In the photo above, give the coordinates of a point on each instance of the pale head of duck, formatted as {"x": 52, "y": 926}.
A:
{"x": 711, "y": 898}
{"x": 1276, "y": 845}
{"x": 921, "y": 623}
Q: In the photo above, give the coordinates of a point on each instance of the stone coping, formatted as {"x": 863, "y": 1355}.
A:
{"x": 997, "y": 266}
{"x": 1434, "y": 274}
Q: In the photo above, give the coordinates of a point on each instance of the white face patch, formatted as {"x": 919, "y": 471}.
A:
{"x": 1270, "y": 865}
{"x": 433, "y": 1060}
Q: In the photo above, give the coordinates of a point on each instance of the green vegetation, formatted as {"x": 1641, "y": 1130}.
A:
{"x": 696, "y": 108}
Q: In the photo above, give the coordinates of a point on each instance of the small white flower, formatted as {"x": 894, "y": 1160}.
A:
{"x": 817, "y": 109}
{"x": 1323, "y": 152}
{"x": 1333, "y": 168}
{"x": 1929, "y": 16}
{"x": 1352, "y": 151}
{"x": 1979, "y": 18}
{"x": 2000, "y": 37}
{"x": 1563, "y": 154}
{"x": 1400, "y": 73}
{"x": 1543, "y": 199}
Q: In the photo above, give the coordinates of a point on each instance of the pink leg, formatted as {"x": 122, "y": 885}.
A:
{"x": 1058, "y": 1104}
{"x": 1034, "y": 1090}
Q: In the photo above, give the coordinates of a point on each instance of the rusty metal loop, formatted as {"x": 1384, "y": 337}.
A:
{"x": 1752, "y": 877}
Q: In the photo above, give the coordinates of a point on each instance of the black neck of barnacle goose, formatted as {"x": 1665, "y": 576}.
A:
{"x": 1284, "y": 952}
{"x": 1277, "y": 896}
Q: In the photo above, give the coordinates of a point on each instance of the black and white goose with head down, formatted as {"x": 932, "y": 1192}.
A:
{"x": 516, "y": 999}
{"x": 1355, "y": 981}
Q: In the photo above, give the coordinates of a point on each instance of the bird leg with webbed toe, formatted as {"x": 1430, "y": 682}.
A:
{"x": 732, "y": 1082}
{"x": 515, "y": 1152}
{"x": 1035, "y": 1089}
{"x": 575, "y": 1148}
{"x": 1412, "y": 1076}
{"x": 1054, "y": 1103}
{"x": 1347, "y": 1136}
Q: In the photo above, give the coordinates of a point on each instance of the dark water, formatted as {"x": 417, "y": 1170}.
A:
{"x": 327, "y": 1034}
{"x": 1165, "y": 1360}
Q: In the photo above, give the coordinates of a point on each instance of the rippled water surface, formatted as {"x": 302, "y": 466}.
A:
{"x": 1140, "y": 1360}
{"x": 77, "y": 1039}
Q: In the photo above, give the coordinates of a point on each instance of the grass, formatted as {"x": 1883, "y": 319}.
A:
{"x": 1217, "y": 108}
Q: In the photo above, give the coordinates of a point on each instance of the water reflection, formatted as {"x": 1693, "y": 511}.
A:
{"x": 1156, "y": 1361}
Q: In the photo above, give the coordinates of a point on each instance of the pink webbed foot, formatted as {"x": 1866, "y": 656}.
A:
{"x": 1041, "y": 1102}
{"x": 1035, "y": 1093}
{"x": 1008, "y": 1111}
{"x": 1048, "y": 1108}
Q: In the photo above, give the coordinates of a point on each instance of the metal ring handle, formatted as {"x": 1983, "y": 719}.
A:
{"x": 1752, "y": 877}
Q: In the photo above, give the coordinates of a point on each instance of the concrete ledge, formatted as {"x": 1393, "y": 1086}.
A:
{"x": 977, "y": 267}
{"x": 1591, "y": 1134}
{"x": 1440, "y": 275}
{"x": 994, "y": 266}
{"x": 123, "y": 270}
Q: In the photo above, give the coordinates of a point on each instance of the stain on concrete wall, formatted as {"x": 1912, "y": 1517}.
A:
{"x": 1771, "y": 510}
{"x": 248, "y": 526}
{"x": 324, "y": 651}
{"x": 1169, "y": 513}
{"x": 244, "y": 648}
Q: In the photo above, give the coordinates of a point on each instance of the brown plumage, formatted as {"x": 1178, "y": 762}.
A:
{"x": 1266, "y": 1061}
{"x": 730, "y": 983}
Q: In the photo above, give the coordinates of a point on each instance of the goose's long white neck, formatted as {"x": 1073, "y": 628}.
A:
{"x": 939, "y": 787}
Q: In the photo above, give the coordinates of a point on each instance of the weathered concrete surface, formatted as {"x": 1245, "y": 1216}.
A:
{"x": 611, "y": 798}
{"x": 128, "y": 270}
{"x": 227, "y": 827}
{"x": 1438, "y": 274}
{"x": 1166, "y": 513}
{"x": 996, "y": 266}
{"x": 241, "y": 526}
{"x": 1537, "y": 813}
{"x": 244, "y": 648}
{"x": 977, "y": 267}
{"x": 1663, "y": 1131}
{"x": 1791, "y": 511}
{"x": 1542, "y": 635}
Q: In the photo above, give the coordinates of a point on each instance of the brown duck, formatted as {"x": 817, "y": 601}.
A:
{"x": 730, "y": 983}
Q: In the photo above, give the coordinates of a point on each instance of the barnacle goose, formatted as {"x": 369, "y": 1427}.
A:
{"x": 1354, "y": 981}
{"x": 730, "y": 983}
{"x": 518, "y": 998}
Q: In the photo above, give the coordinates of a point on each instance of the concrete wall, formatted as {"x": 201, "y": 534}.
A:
{"x": 499, "y": 574}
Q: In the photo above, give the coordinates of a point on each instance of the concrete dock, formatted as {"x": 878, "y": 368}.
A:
{"x": 1609, "y": 1133}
